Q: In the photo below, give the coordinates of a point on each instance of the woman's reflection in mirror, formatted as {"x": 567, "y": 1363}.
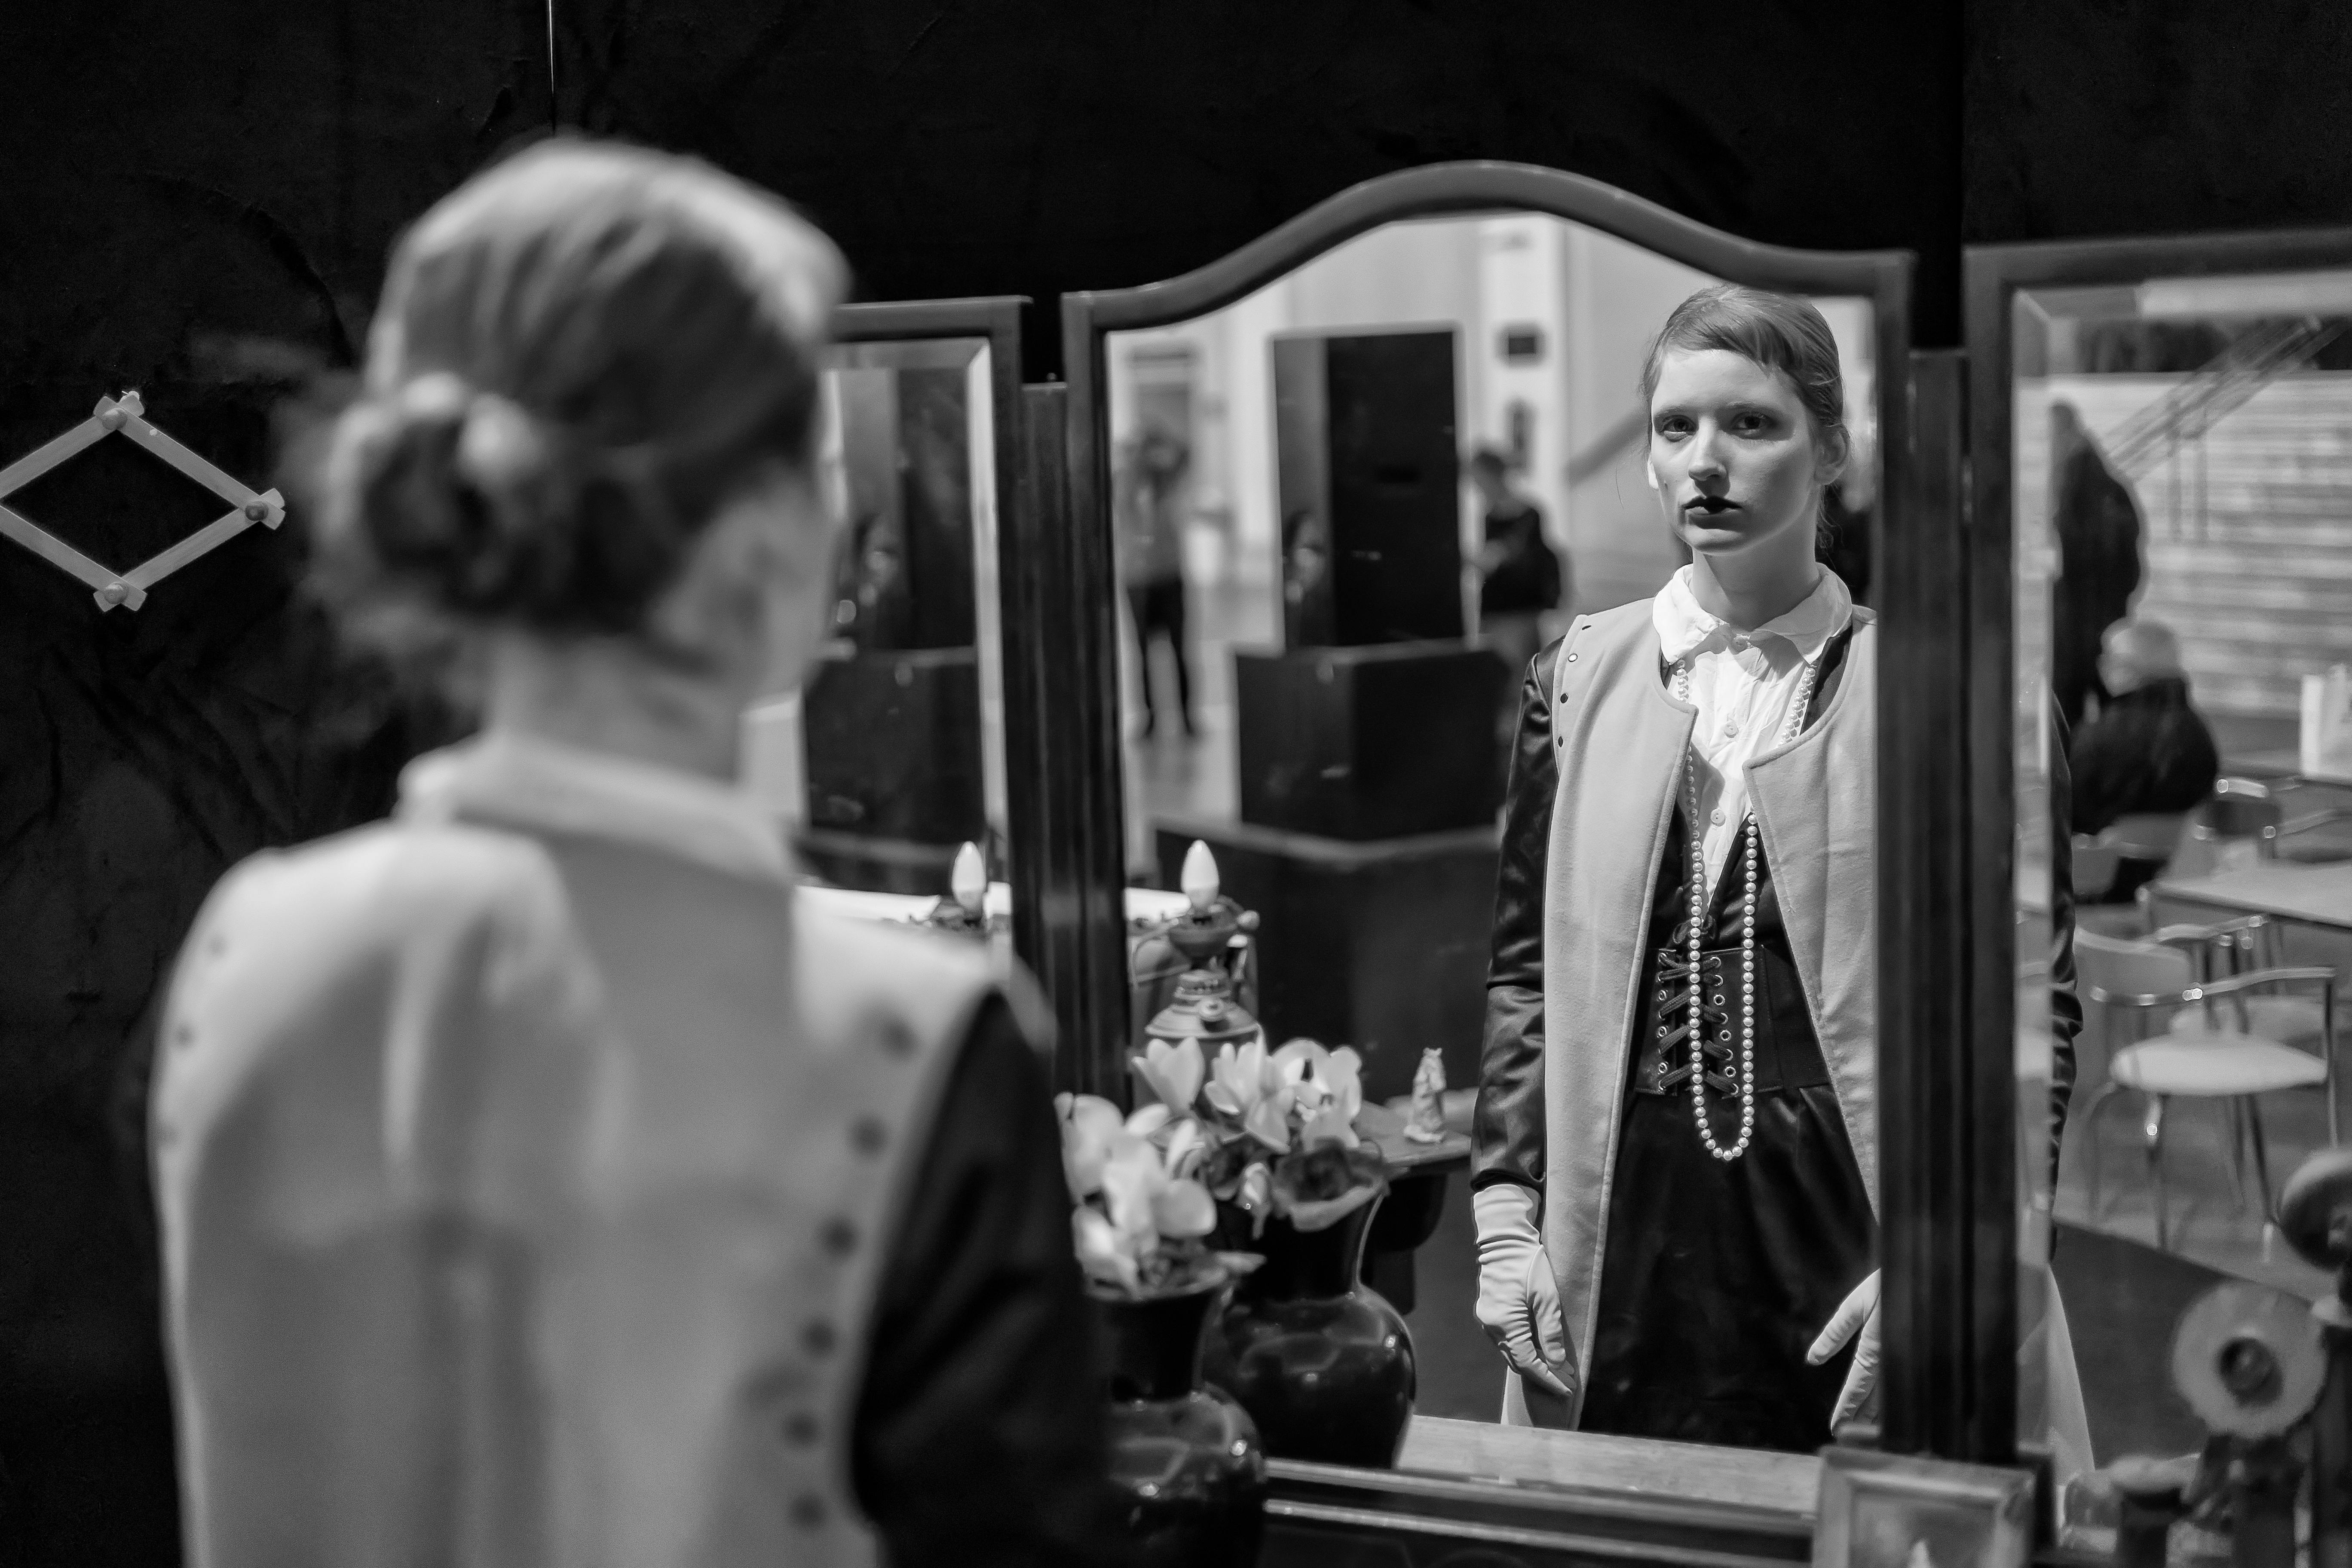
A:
{"x": 541, "y": 1180}
{"x": 1676, "y": 1154}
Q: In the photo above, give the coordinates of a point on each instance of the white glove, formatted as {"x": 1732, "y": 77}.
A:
{"x": 1518, "y": 1296}
{"x": 1857, "y": 1312}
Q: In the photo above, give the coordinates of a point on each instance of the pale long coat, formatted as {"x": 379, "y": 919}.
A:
{"x": 1620, "y": 738}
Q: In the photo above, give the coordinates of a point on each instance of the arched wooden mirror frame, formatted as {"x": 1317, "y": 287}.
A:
{"x": 1950, "y": 1286}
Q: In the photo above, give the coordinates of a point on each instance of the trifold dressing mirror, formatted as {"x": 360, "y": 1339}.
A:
{"x": 2163, "y": 562}
{"x": 1353, "y": 477}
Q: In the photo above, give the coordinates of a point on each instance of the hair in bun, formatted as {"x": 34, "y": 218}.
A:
{"x": 581, "y": 356}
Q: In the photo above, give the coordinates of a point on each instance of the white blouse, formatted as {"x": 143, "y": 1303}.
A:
{"x": 1742, "y": 684}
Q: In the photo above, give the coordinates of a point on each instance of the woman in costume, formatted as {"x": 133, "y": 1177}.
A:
{"x": 1676, "y": 1140}
{"x": 539, "y": 1184}
{"x": 1675, "y": 1160}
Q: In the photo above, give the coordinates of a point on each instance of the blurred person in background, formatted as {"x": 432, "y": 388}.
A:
{"x": 2097, "y": 524}
{"x": 2147, "y": 751}
{"x": 1520, "y": 578}
{"x": 541, "y": 1182}
{"x": 1149, "y": 495}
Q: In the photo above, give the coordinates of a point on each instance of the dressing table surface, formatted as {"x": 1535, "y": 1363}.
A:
{"x": 1681, "y": 1472}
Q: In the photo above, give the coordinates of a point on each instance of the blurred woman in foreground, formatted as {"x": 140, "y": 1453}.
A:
{"x": 539, "y": 1183}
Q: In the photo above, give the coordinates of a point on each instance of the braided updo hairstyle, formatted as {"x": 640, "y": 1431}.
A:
{"x": 581, "y": 356}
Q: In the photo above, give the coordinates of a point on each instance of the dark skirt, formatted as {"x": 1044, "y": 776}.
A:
{"x": 1718, "y": 1276}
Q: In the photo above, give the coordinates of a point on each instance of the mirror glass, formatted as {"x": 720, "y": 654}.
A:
{"x": 1349, "y": 509}
{"x": 891, "y": 756}
{"x": 2182, "y": 491}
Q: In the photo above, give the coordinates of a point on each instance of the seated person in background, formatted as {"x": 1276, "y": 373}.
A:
{"x": 541, "y": 1183}
{"x": 2146, "y": 751}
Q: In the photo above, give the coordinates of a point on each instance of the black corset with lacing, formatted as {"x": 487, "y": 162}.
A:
{"x": 1788, "y": 1055}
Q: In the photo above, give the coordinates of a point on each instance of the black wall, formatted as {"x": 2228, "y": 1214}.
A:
{"x": 195, "y": 198}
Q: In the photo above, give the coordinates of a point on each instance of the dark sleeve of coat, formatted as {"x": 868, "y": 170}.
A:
{"x": 979, "y": 1434}
{"x": 2065, "y": 1003}
{"x": 1506, "y": 1127}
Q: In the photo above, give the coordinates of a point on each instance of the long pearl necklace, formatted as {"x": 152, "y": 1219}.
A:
{"x": 1698, "y": 905}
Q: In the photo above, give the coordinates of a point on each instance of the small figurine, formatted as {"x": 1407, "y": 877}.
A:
{"x": 1426, "y": 1122}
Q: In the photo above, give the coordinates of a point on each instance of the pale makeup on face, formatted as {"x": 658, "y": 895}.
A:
{"x": 1738, "y": 468}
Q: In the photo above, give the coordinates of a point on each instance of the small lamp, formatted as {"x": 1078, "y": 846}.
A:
{"x": 1205, "y": 1007}
{"x": 965, "y": 908}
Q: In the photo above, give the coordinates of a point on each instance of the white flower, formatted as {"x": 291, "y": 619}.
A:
{"x": 1147, "y": 1203}
{"x": 1239, "y": 1079}
{"x": 1089, "y": 1122}
{"x": 1184, "y": 1209}
{"x": 1328, "y": 1088}
{"x": 1268, "y": 1120}
{"x": 1171, "y": 1070}
{"x": 1299, "y": 1064}
{"x": 1131, "y": 1177}
{"x": 1187, "y": 1145}
{"x": 1092, "y": 1130}
{"x": 1103, "y": 1253}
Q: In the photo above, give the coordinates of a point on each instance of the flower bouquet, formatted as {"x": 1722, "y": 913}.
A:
{"x": 1186, "y": 1459}
{"x": 1324, "y": 1366}
{"x": 1143, "y": 1218}
{"x": 1278, "y": 1131}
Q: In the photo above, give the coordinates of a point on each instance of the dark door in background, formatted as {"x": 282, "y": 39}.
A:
{"x": 1365, "y": 431}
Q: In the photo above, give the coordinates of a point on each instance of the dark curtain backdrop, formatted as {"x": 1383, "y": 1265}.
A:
{"x": 199, "y": 197}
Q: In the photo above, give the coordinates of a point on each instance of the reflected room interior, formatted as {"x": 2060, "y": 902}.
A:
{"x": 2183, "y": 522}
{"x": 891, "y": 758}
{"x": 1324, "y": 497}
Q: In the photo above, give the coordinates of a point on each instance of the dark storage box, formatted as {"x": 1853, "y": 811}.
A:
{"x": 1382, "y": 742}
{"x": 893, "y": 745}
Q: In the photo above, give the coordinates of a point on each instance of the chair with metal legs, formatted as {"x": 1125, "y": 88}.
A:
{"x": 2235, "y": 947}
{"x": 2210, "y": 1058}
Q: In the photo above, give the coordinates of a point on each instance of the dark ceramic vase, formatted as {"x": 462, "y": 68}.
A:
{"x": 1185, "y": 1459}
{"x": 1320, "y": 1361}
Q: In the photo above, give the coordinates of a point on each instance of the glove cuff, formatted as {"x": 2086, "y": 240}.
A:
{"x": 1506, "y": 1211}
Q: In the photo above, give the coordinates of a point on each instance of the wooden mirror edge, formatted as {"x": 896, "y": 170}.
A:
{"x": 1039, "y": 783}
{"x": 1992, "y": 278}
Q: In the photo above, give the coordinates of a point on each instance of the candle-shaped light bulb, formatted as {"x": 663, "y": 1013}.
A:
{"x": 969, "y": 880}
{"x": 1200, "y": 876}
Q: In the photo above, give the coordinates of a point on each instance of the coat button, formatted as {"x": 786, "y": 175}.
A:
{"x": 1571, "y": 658}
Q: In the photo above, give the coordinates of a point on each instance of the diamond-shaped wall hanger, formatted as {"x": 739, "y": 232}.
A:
{"x": 122, "y": 415}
